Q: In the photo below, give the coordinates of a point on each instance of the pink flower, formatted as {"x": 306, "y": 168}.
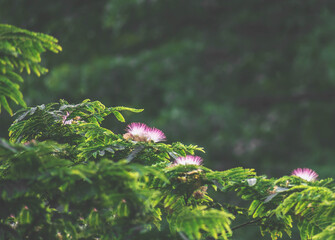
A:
{"x": 188, "y": 160}
{"x": 65, "y": 122}
{"x": 137, "y": 129}
{"x": 30, "y": 142}
{"x": 140, "y": 132}
{"x": 156, "y": 135}
{"x": 305, "y": 173}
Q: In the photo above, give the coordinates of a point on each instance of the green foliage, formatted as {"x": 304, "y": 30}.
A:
{"x": 20, "y": 49}
{"x": 81, "y": 180}
{"x": 290, "y": 200}
{"x": 93, "y": 168}
{"x": 49, "y": 195}
{"x": 193, "y": 222}
{"x": 314, "y": 207}
{"x": 44, "y": 121}
{"x": 328, "y": 233}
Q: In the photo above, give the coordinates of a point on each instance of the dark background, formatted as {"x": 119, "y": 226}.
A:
{"x": 251, "y": 81}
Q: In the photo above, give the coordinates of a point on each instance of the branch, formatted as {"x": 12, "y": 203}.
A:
{"x": 247, "y": 223}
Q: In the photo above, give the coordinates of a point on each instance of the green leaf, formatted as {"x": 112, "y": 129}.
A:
{"x": 120, "y": 108}
{"x": 4, "y": 103}
{"x": 25, "y": 216}
{"x": 119, "y": 116}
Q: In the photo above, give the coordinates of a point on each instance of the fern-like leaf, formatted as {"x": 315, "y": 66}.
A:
{"x": 195, "y": 223}
{"x": 20, "y": 49}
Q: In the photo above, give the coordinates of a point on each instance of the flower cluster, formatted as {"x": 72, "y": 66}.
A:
{"x": 140, "y": 132}
{"x": 305, "y": 173}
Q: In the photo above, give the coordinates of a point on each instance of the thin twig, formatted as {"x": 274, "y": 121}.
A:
{"x": 247, "y": 223}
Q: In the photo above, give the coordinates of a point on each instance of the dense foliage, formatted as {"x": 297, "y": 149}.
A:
{"x": 63, "y": 176}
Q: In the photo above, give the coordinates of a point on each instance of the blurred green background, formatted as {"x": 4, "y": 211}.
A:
{"x": 251, "y": 81}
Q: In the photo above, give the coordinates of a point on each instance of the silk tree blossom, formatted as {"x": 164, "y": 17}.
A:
{"x": 305, "y": 173}
{"x": 137, "y": 129}
{"x": 188, "y": 160}
{"x": 140, "y": 132}
{"x": 66, "y": 122}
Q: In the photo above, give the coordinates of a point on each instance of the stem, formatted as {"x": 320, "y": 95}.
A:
{"x": 187, "y": 196}
{"x": 133, "y": 154}
{"x": 247, "y": 223}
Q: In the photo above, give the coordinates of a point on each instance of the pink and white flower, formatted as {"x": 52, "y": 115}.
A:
{"x": 140, "y": 132}
{"x": 137, "y": 129}
{"x": 305, "y": 173}
{"x": 188, "y": 160}
{"x": 66, "y": 122}
{"x": 156, "y": 135}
